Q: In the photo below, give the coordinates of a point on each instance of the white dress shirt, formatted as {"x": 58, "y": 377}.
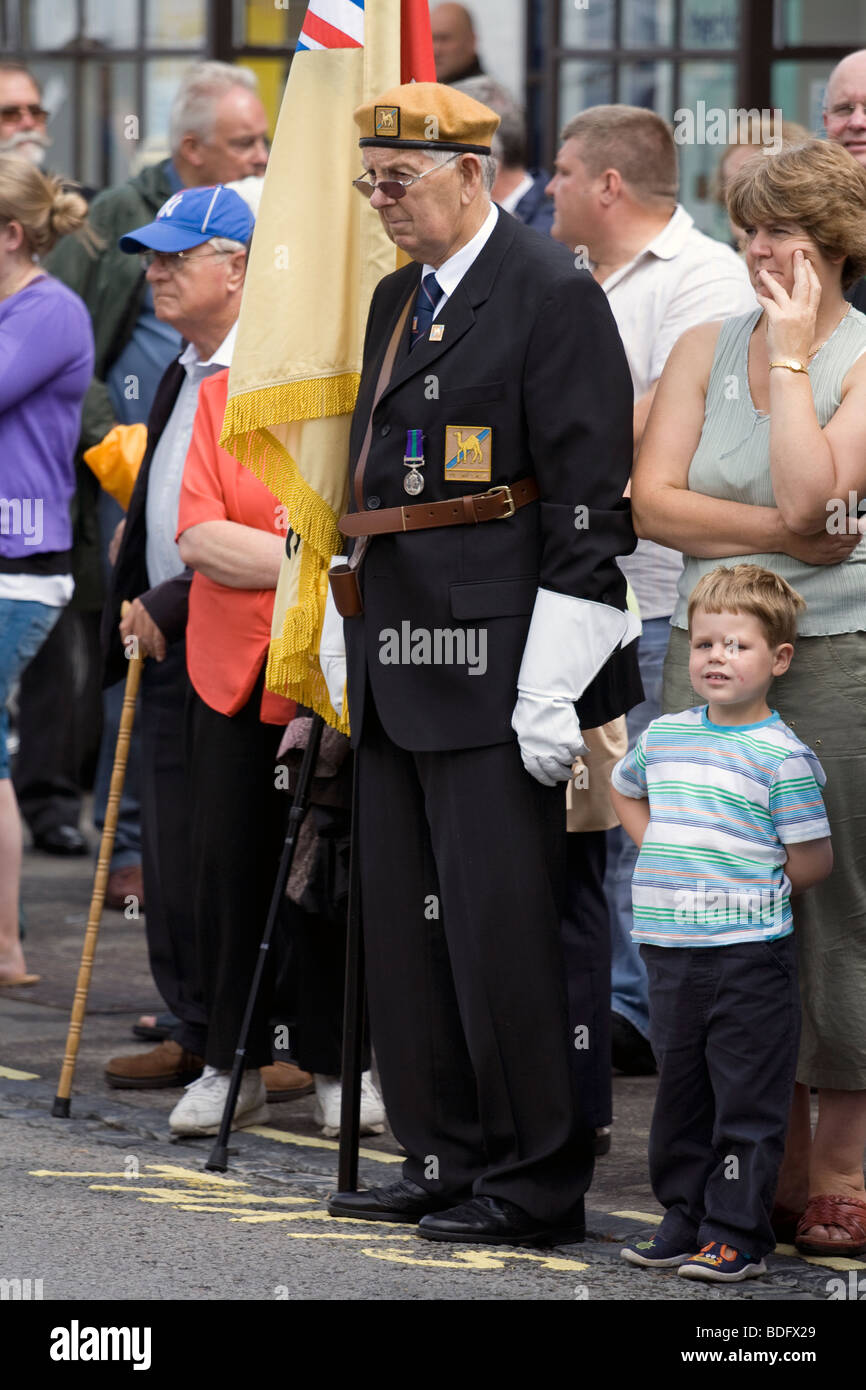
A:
{"x": 166, "y": 466}
{"x": 451, "y": 272}
{"x": 681, "y": 278}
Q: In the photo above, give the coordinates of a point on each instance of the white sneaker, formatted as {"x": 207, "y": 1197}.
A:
{"x": 372, "y": 1107}
{"x": 328, "y": 1098}
{"x": 200, "y": 1109}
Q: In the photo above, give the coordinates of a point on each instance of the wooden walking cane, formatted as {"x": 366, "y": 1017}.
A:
{"x": 60, "y": 1108}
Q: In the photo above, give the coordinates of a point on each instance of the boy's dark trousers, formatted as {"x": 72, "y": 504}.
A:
{"x": 725, "y": 1028}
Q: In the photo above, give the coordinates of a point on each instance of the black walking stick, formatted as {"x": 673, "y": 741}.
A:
{"x": 218, "y": 1161}
{"x": 353, "y": 1015}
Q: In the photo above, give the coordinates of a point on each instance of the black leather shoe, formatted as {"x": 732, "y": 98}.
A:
{"x": 400, "y": 1201}
{"x": 630, "y": 1052}
{"x": 493, "y": 1221}
{"x": 61, "y": 839}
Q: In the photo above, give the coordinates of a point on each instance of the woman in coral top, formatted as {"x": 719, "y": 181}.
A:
{"x": 231, "y": 532}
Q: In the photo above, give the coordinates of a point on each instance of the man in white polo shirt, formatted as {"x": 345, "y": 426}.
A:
{"x": 615, "y": 194}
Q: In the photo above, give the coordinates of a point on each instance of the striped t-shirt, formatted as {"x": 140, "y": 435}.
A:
{"x": 724, "y": 802}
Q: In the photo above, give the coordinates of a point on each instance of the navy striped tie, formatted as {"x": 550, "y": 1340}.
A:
{"x": 429, "y": 295}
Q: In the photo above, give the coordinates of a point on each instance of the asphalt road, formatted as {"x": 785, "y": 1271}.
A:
{"x": 104, "y": 1206}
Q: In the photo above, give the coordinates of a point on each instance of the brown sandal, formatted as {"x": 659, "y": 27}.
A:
{"x": 849, "y": 1213}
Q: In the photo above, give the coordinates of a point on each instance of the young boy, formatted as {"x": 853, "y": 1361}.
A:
{"x": 724, "y": 802}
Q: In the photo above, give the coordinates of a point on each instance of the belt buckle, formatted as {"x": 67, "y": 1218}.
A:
{"x": 492, "y": 491}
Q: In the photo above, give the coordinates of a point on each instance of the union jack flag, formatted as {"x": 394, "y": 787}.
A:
{"x": 333, "y": 24}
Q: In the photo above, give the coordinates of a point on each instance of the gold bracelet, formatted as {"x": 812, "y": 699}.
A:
{"x": 791, "y": 364}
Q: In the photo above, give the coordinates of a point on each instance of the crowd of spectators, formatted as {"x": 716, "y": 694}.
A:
{"x": 737, "y": 462}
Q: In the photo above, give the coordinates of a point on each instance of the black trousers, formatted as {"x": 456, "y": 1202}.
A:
{"x": 165, "y": 848}
{"x": 586, "y": 946}
{"x": 461, "y": 858}
{"x": 725, "y": 1029}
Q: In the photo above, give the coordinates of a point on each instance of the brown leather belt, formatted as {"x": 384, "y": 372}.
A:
{"x": 494, "y": 505}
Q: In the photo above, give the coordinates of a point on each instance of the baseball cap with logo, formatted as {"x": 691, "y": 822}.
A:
{"x": 192, "y": 217}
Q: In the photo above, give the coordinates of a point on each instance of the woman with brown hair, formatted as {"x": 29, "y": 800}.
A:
{"x": 755, "y": 452}
{"x": 46, "y": 362}
{"x": 763, "y": 139}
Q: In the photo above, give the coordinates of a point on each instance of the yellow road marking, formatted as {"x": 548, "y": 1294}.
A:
{"x": 169, "y": 1171}
{"x": 484, "y": 1260}
{"x": 193, "y": 1176}
{"x": 282, "y": 1136}
{"x": 12, "y": 1075}
{"x": 826, "y": 1261}
{"x": 649, "y": 1219}
{"x": 172, "y": 1194}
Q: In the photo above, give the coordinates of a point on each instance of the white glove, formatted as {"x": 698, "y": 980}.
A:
{"x": 332, "y": 649}
{"x": 569, "y": 641}
{"x": 548, "y": 731}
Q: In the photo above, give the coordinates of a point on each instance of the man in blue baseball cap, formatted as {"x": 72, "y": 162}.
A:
{"x": 195, "y": 251}
{"x": 191, "y": 217}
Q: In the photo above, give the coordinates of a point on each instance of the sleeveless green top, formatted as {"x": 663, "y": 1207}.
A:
{"x": 732, "y": 461}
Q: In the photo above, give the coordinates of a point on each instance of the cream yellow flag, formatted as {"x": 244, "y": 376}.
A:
{"x": 318, "y": 252}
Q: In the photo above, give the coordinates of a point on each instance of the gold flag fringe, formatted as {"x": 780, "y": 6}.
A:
{"x": 293, "y": 669}
{"x": 311, "y": 399}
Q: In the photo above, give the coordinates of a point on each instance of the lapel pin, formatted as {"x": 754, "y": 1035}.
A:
{"x": 437, "y": 332}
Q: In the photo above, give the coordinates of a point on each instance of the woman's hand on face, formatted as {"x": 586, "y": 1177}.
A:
{"x": 791, "y": 318}
{"x": 824, "y": 548}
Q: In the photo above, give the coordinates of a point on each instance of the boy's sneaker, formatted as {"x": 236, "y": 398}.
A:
{"x": 657, "y": 1253}
{"x": 200, "y": 1110}
{"x": 722, "y": 1263}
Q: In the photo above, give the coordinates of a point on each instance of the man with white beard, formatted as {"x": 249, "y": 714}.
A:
{"x": 22, "y": 115}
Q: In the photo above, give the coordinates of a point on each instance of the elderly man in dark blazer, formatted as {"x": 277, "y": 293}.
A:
{"x": 196, "y": 247}
{"x": 490, "y": 449}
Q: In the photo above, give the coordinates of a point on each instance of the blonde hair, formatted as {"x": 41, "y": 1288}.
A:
{"x": 750, "y": 589}
{"x": 634, "y": 141}
{"x": 816, "y": 184}
{"x": 46, "y": 208}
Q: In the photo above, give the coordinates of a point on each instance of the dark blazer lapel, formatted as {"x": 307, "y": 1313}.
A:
{"x": 458, "y": 315}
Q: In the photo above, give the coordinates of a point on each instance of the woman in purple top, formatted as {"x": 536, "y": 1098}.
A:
{"x": 46, "y": 362}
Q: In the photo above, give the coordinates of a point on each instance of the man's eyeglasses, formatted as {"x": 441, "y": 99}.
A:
{"x": 394, "y": 188}
{"x": 174, "y": 260}
{"x": 14, "y": 113}
{"x": 844, "y": 110}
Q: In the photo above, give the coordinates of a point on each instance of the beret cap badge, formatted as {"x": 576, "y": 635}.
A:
{"x": 388, "y": 121}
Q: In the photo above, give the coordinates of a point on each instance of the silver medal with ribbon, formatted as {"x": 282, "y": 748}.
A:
{"x": 413, "y": 483}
